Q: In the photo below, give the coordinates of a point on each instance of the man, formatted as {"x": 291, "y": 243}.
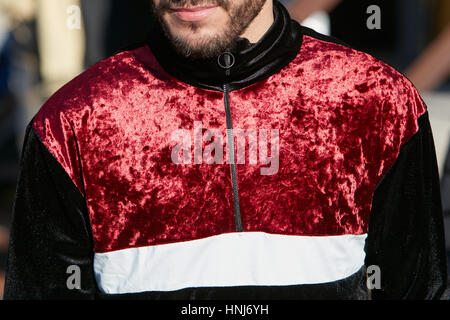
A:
{"x": 128, "y": 188}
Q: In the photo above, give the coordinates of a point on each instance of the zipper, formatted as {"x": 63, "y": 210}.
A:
{"x": 237, "y": 213}
{"x": 227, "y": 63}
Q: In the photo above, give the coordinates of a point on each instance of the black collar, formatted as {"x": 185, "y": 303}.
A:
{"x": 252, "y": 62}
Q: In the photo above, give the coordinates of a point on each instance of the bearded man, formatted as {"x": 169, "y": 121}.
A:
{"x": 149, "y": 175}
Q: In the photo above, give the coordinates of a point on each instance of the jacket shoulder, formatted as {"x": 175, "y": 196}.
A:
{"x": 61, "y": 123}
{"x": 356, "y": 73}
{"x": 105, "y": 80}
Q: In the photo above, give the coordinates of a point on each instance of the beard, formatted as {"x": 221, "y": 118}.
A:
{"x": 240, "y": 15}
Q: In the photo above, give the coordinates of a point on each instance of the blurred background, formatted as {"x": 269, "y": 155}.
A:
{"x": 45, "y": 43}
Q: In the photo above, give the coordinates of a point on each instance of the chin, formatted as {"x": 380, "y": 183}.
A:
{"x": 198, "y": 37}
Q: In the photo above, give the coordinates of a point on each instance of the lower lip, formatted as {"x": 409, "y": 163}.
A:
{"x": 194, "y": 15}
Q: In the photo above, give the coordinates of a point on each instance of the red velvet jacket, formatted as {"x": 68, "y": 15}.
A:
{"x": 342, "y": 176}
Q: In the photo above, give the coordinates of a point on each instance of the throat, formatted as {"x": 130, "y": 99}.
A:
{"x": 261, "y": 24}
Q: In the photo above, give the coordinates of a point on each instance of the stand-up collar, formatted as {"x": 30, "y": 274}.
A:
{"x": 247, "y": 64}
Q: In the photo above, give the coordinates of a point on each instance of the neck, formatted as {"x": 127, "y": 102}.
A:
{"x": 264, "y": 49}
{"x": 260, "y": 24}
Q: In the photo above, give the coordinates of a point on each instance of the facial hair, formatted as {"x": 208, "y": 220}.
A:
{"x": 240, "y": 16}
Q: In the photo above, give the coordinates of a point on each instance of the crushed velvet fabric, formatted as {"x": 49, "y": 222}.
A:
{"x": 342, "y": 117}
{"x": 406, "y": 230}
{"x": 50, "y": 230}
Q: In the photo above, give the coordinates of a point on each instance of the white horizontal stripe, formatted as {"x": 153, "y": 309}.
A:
{"x": 230, "y": 259}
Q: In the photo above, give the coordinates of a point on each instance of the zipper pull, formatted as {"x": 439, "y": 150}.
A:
{"x": 226, "y": 61}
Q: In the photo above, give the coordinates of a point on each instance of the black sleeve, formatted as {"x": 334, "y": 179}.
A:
{"x": 406, "y": 233}
{"x": 50, "y": 231}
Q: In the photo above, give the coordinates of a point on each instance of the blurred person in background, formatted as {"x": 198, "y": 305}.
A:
{"x": 18, "y": 62}
{"x": 311, "y": 14}
{"x": 61, "y": 43}
{"x": 112, "y": 26}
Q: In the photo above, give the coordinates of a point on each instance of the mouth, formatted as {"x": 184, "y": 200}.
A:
{"x": 193, "y": 14}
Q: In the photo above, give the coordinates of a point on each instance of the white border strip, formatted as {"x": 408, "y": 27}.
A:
{"x": 230, "y": 259}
